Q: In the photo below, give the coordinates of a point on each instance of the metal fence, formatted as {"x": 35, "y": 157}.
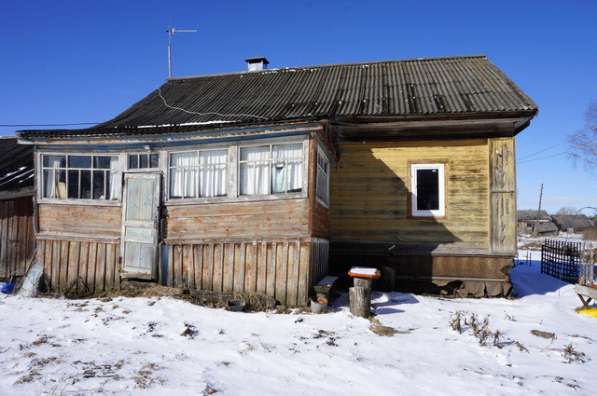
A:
{"x": 562, "y": 259}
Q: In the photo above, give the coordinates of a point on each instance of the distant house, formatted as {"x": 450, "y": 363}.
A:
{"x": 17, "y": 238}
{"x": 265, "y": 181}
{"x": 574, "y": 223}
{"x": 535, "y": 222}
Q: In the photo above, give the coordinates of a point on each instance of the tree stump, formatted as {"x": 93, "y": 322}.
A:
{"x": 363, "y": 282}
{"x": 360, "y": 301}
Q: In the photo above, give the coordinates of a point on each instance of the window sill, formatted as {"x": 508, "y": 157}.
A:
{"x": 242, "y": 198}
{"x": 83, "y": 202}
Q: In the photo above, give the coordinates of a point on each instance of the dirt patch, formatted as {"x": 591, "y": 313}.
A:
{"x": 543, "y": 334}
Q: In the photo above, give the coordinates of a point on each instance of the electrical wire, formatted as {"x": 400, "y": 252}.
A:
{"x": 208, "y": 113}
{"x": 542, "y": 158}
{"x": 528, "y": 156}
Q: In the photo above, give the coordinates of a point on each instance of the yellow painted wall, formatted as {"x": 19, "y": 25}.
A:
{"x": 370, "y": 194}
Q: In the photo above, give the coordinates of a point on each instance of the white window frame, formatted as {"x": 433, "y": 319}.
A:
{"x": 198, "y": 198}
{"x": 441, "y": 190}
{"x": 324, "y": 199}
{"x": 304, "y": 161}
{"x": 77, "y": 201}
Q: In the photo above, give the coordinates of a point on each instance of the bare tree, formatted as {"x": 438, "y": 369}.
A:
{"x": 567, "y": 210}
{"x": 583, "y": 144}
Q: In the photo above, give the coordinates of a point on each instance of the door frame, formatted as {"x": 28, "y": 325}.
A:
{"x": 158, "y": 196}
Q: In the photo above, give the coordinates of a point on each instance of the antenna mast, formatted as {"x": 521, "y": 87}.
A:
{"x": 171, "y": 31}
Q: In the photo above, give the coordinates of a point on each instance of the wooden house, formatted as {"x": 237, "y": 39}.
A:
{"x": 17, "y": 235}
{"x": 266, "y": 180}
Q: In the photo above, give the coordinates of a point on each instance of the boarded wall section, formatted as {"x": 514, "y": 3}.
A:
{"x": 17, "y": 238}
{"x": 283, "y": 269}
{"x": 80, "y": 265}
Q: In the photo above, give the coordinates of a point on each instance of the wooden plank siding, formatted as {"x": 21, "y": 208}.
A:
{"x": 256, "y": 219}
{"x": 370, "y": 194}
{"x": 102, "y": 221}
{"x": 502, "y": 185}
{"x": 17, "y": 237}
{"x": 75, "y": 264}
{"x": 277, "y": 268}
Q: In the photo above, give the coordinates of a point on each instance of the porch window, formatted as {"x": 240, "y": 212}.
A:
{"x": 271, "y": 169}
{"x": 94, "y": 177}
{"x": 144, "y": 160}
{"x": 198, "y": 174}
{"x": 323, "y": 177}
{"x": 428, "y": 190}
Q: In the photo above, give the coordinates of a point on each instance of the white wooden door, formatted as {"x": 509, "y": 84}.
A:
{"x": 140, "y": 223}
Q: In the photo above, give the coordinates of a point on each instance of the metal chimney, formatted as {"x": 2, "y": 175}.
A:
{"x": 256, "y": 64}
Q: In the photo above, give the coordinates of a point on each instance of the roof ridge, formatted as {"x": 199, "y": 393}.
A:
{"x": 306, "y": 67}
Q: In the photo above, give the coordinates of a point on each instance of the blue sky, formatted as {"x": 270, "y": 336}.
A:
{"x": 85, "y": 61}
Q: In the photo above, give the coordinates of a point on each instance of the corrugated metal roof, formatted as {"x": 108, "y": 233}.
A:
{"x": 16, "y": 164}
{"x": 407, "y": 88}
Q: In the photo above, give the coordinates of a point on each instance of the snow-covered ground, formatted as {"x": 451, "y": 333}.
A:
{"x": 164, "y": 346}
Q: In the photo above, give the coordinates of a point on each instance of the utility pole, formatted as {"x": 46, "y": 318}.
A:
{"x": 540, "y": 198}
{"x": 171, "y": 31}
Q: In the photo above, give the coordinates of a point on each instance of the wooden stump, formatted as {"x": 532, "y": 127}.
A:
{"x": 360, "y": 301}
{"x": 363, "y": 282}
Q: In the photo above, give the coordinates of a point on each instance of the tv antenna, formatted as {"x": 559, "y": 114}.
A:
{"x": 171, "y": 31}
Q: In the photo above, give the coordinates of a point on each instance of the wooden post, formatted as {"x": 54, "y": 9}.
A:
{"x": 360, "y": 301}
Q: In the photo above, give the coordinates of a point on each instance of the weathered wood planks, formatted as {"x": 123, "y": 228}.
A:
{"x": 17, "y": 238}
{"x": 67, "y": 219}
{"x": 502, "y": 185}
{"x": 278, "y": 268}
{"x": 370, "y": 193}
{"x": 259, "y": 219}
{"x": 73, "y": 264}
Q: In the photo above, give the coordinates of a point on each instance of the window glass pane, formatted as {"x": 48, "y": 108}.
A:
{"x": 427, "y": 189}
{"x": 54, "y": 161}
{"x": 85, "y": 184}
{"x": 99, "y": 187}
{"x": 287, "y": 168}
{"x": 254, "y": 172}
{"x": 183, "y": 174}
{"x": 79, "y": 161}
{"x": 73, "y": 184}
{"x": 143, "y": 161}
{"x": 323, "y": 178}
{"x": 54, "y": 184}
{"x": 133, "y": 161}
{"x": 212, "y": 173}
{"x": 101, "y": 162}
{"x": 154, "y": 160}
{"x": 260, "y": 153}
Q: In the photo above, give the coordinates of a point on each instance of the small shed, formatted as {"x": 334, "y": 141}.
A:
{"x": 17, "y": 238}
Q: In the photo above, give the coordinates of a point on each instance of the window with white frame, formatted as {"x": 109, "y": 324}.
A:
{"x": 198, "y": 174}
{"x": 323, "y": 177}
{"x": 143, "y": 161}
{"x": 271, "y": 169}
{"x": 427, "y": 190}
{"x": 94, "y": 177}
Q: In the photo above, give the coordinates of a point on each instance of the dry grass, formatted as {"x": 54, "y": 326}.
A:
{"x": 590, "y": 234}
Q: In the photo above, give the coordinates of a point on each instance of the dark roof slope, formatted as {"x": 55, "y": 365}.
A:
{"x": 16, "y": 164}
{"x": 531, "y": 214}
{"x": 392, "y": 89}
